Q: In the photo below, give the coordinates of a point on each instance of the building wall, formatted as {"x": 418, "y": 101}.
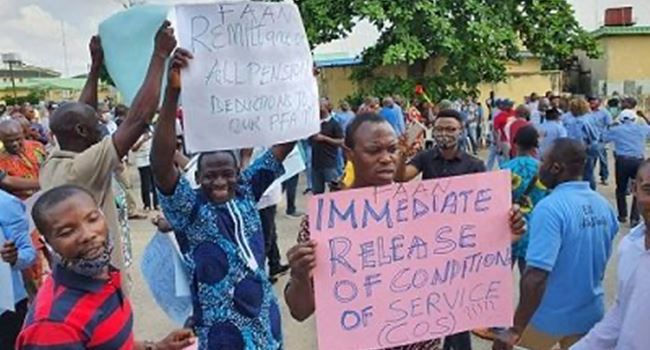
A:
{"x": 57, "y": 95}
{"x": 523, "y": 78}
{"x": 624, "y": 67}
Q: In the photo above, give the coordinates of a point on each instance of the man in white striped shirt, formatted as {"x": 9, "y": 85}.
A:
{"x": 625, "y": 326}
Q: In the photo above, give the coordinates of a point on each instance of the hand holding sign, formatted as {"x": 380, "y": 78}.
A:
{"x": 412, "y": 262}
{"x": 252, "y": 81}
{"x": 96, "y": 52}
{"x": 165, "y": 40}
{"x": 180, "y": 60}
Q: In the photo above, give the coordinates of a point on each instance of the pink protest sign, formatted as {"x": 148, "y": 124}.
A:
{"x": 411, "y": 262}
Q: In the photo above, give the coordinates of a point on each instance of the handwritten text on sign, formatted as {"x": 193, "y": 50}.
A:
{"x": 251, "y": 81}
{"x": 412, "y": 262}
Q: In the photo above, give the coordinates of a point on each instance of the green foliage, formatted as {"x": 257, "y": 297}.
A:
{"x": 476, "y": 37}
{"x": 34, "y": 97}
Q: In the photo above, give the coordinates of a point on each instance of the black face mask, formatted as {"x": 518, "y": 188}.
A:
{"x": 446, "y": 141}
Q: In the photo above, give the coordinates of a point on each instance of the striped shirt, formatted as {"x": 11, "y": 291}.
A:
{"x": 72, "y": 311}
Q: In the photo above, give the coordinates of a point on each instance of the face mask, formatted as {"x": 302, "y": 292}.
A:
{"x": 446, "y": 141}
{"x": 90, "y": 268}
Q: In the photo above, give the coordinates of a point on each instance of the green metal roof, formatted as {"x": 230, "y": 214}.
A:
{"x": 45, "y": 84}
{"x": 621, "y": 31}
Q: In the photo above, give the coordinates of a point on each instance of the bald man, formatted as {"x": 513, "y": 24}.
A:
{"x": 20, "y": 158}
{"x": 84, "y": 158}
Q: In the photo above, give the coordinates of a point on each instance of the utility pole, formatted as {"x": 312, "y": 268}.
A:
{"x": 65, "y": 50}
{"x": 11, "y": 59}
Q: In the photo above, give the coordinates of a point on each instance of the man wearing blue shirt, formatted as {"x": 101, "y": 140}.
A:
{"x": 393, "y": 115}
{"x": 571, "y": 234}
{"x": 16, "y": 250}
{"x": 629, "y": 140}
{"x": 602, "y": 119}
{"x": 551, "y": 130}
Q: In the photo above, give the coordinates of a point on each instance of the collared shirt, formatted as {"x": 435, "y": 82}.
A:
{"x": 550, "y": 131}
{"x": 602, "y": 119}
{"x": 625, "y": 326}
{"x": 629, "y": 139}
{"x": 223, "y": 248}
{"x": 14, "y": 227}
{"x": 93, "y": 170}
{"x": 571, "y": 234}
{"x": 582, "y": 129}
{"x": 72, "y": 311}
{"x": 433, "y": 165}
{"x": 323, "y": 154}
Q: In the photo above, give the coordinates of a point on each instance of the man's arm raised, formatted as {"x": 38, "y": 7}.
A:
{"x": 89, "y": 92}
{"x": 164, "y": 139}
{"x": 145, "y": 103}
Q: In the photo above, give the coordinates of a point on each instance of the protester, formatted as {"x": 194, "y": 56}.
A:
{"x": 446, "y": 159}
{"x": 82, "y": 304}
{"x": 581, "y": 127}
{"x": 522, "y": 116}
{"x": 39, "y": 131}
{"x": 324, "y": 148}
{"x": 22, "y": 159}
{"x": 372, "y": 147}
{"x": 602, "y": 120}
{"x": 141, "y": 151}
{"x": 629, "y": 139}
{"x": 571, "y": 235}
{"x": 17, "y": 251}
{"x": 16, "y": 184}
{"x": 219, "y": 233}
{"x": 551, "y": 130}
{"x": 87, "y": 160}
{"x": 393, "y": 115}
{"x": 625, "y": 324}
{"x": 500, "y": 149}
{"x": 527, "y": 191}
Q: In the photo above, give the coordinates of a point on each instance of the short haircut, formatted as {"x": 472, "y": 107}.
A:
{"x": 199, "y": 160}
{"x": 450, "y": 113}
{"x": 355, "y": 124}
{"x": 571, "y": 153}
{"x": 552, "y": 114}
{"x": 522, "y": 112}
{"x": 527, "y": 138}
{"x": 51, "y": 198}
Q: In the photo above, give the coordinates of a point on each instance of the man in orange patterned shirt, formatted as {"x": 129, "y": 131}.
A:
{"x": 22, "y": 159}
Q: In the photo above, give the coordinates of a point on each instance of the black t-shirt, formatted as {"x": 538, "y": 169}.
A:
{"x": 434, "y": 166}
{"x": 323, "y": 154}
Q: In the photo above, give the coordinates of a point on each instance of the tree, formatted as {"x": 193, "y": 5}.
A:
{"x": 474, "y": 38}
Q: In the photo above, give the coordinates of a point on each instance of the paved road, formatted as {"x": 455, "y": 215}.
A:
{"x": 151, "y": 323}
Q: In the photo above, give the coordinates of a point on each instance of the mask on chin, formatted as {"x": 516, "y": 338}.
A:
{"x": 87, "y": 267}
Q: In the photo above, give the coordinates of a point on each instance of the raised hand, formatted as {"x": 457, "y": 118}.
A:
{"x": 180, "y": 60}
{"x": 96, "y": 51}
{"x": 165, "y": 41}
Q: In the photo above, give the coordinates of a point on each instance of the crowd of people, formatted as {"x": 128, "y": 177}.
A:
{"x": 70, "y": 271}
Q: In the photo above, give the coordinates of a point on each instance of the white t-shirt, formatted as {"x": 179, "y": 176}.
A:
{"x": 141, "y": 156}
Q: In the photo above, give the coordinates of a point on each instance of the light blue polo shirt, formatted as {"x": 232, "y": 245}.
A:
{"x": 571, "y": 234}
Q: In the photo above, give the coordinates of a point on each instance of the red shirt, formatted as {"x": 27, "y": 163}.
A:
{"x": 72, "y": 311}
{"x": 500, "y": 122}
{"x": 511, "y": 131}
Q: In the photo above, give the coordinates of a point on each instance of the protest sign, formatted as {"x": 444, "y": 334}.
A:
{"x": 412, "y": 262}
{"x": 128, "y": 43}
{"x": 7, "y": 301}
{"x": 251, "y": 81}
{"x": 160, "y": 271}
